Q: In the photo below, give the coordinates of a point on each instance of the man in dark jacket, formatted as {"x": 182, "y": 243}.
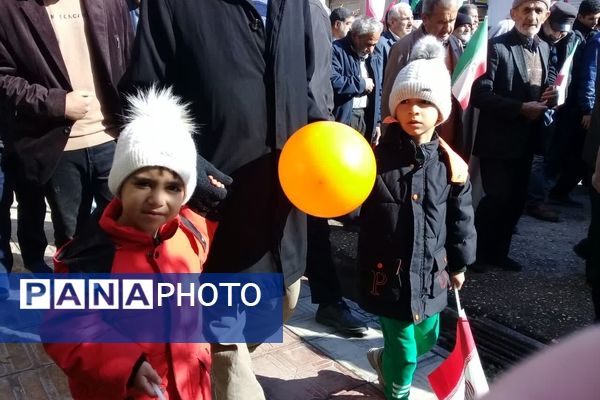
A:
{"x": 325, "y": 287}
{"x": 512, "y": 97}
{"x": 399, "y": 23}
{"x": 356, "y": 78}
{"x": 60, "y": 62}
{"x": 555, "y": 133}
{"x": 438, "y": 20}
{"x": 245, "y": 67}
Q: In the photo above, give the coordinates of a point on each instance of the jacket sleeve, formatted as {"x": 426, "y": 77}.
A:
{"x": 154, "y": 47}
{"x": 461, "y": 240}
{"x": 342, "y": 83}
{"x": 588, "y": 73}
{"x": 24, "y": 97}
{"x": 106, "y": 366}
{"x": 314, "y": 112}
{"x": 483, "y": 95}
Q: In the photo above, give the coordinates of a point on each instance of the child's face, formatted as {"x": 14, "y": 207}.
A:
{"x": 151, "y": 197}
{"x": 418, "y": 118}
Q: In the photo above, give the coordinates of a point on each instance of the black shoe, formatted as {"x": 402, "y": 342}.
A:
{"x": 543, "y": 213}
{"x": 564, "y": 200}
{"x": 338, "y": 316}
{"x": 582, "y": 249}
{"x": 479, "y": 267}
{"x": 39, "y": 268}
{"x": 508, "y": 264}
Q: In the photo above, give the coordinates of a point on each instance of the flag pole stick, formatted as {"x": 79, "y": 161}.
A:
{"x": 458, "y": 307}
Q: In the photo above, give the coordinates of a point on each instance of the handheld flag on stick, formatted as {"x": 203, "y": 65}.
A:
{"x": 460, "y": 376}
{"x": 471, "y": 65}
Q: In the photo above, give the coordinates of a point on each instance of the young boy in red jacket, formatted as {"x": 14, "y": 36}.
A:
{"x": 146, "y": 228}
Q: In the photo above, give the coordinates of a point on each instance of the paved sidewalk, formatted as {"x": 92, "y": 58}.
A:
{"x": 313, "y": 363}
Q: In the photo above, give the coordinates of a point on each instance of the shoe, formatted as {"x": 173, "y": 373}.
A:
{"x": 338, "y": 316}
{"x": 582, "y": 249}
{"x": 39, "y": 268}
{"x": 479, "y": 267}
{"x": 543, "y": 213}
{"x": 564, "y": 200}
{"x": 510, "y": 265}
{"x": 506, "y": 263}
{"x": 374, "y": 356}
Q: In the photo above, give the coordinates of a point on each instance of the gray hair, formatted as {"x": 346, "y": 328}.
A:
{"x": 429, "y": 5}
{"x": 366, "y": 26}
{"x": 394, "y": 12}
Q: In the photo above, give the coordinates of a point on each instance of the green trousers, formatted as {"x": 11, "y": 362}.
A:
{"x": 404, "y": 342}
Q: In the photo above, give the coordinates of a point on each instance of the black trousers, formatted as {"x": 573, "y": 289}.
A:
{"x": 320, "y": 270}
{"x": 593, "y": 261}
{"x": 505, "y": 184}
{"x": 31, "y": 211}
{"x": 80, "y": 178}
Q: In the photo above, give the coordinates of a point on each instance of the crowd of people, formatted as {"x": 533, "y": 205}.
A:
{"x": 155, "y": 121}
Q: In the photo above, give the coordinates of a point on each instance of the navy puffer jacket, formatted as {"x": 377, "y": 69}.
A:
{"x": 416, "y": 227}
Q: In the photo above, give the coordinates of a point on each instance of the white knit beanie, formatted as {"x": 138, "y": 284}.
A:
{"x": 425, "y": 77}
{"x": 157, "y": 133}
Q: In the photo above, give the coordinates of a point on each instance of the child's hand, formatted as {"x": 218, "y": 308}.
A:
{"x": 458, "y": 280}
{"x": 144, "y": 378}
{"x": 215, "y": 182}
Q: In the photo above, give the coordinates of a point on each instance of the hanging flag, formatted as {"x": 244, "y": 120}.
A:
{"x": 471, "y": 65}
{"x": 375, "y": 9}
{"x": 413, "y": 4}
{"x": 460, "y": 376}
{"x": 562, "y": 80}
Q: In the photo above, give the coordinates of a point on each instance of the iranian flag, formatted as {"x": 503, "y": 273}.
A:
{"x": 460, "y": 376}
{"x": 471, "y": 65}
{"x": 562, "y": 80}
{"x": 375, "y": 9}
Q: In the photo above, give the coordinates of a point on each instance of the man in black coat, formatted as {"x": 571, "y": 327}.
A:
{"x": 245, "y": 67}
{"x": 60, "y": 62}
{"x": 512, "y": 96}
{"x": 356, "y": 76}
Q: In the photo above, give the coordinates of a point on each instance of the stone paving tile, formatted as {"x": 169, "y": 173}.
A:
{"x": 364, "y": 392}
{"x": 300, "y": 372}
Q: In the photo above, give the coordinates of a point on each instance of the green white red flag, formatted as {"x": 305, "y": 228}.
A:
{"x": 562, "y": 80}
{"x": 471, "y": 65}
{"x": 460, "y": 376}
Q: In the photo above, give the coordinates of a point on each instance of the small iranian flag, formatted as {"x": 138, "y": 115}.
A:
{"x": 561, "y": 81}
{"x": 471, "y": 65}
{"x": 460, "y": 376}
{"x": 375, "y": 9}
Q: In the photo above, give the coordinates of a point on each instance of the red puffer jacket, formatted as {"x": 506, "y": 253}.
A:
{"x": 101, "y": 370}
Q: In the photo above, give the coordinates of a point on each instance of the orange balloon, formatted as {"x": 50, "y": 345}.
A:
{"x": 327, "y": 169}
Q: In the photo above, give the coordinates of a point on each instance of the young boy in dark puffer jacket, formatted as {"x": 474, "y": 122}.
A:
{"x": 417, "y": 227}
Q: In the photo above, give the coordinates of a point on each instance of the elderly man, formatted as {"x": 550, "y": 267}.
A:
{"x": 399, "y": 23}
{"x": 356, "y": 78}
{"x": 438, "y": 20}
{"x": 463, "y": 28}
{"x": 471, "y": 11}
{"x": 556, "y": 137}
{"x": 512, "y": 96}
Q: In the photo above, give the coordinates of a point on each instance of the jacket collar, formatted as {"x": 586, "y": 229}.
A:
{"x": 97, "y": 23}
{"x": 518, "y": 46}
{"x": 126, "y": 235}
{"x": 36, "y": 13}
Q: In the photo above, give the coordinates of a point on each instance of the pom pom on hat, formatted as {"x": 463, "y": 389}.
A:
{"x": 425, "y": 77}
{"x": 158, "y": 133}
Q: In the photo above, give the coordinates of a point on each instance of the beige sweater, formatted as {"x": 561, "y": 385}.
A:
{"x": 69, "y": 26}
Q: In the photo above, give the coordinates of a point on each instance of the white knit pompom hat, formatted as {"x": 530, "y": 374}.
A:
{"x": 424, "y": 77}
{"x": 157, "y": 133}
